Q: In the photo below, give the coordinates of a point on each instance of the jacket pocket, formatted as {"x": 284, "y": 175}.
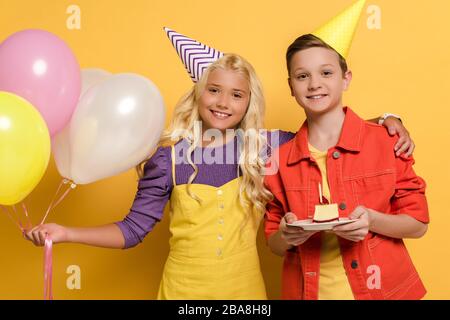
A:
{"x": 397, "y": 271}
{"x": 298, "y": 199}
{"x": 375, "y": 190}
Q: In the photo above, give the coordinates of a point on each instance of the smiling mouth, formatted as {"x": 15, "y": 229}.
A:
{"x": 220, "y": 115}
{"x": 317, "y": 96}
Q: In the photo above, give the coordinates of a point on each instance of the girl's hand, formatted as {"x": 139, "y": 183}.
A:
{"x": 293, "y": 236}
{"x": 357, "y": 230}
{"x": 404, "y": 143}
{"x": 55, "y": 232}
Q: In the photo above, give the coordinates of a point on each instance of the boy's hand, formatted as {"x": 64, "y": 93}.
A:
{"x": 37, "y": 235}
{"x": 294, "y": 236}
{"x": 404, "y": 143}
{"x": 357, "y": 230}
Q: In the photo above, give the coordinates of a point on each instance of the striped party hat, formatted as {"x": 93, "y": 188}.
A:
{"x": 196, "y": 56}
{"x": 339, "y": 32}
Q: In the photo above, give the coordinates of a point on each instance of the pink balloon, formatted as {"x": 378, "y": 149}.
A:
{"x": 40, "y": 67}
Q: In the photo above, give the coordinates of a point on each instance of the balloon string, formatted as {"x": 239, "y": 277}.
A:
{"x": 6, "y": 211}
{"x": 53, "y": 199}
{"x": 48, "y": 268}
{"x": 53, "y": 204}
{"x": 64, "y": 195}
{"x": 24, "y": 207}
{"x": 18, "y": 218}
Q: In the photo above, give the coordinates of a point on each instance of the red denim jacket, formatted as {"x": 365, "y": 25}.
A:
{"x": 363, "y": 170}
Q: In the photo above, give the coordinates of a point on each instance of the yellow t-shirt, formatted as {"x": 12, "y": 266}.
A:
{"x": 333, "y": 282}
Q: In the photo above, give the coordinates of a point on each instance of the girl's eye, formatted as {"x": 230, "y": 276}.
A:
{"x": 237, "y": 95}
{"x": 213, "y": 90}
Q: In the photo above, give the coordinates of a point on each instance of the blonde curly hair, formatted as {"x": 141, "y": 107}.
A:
{"x": 253, "y": 195}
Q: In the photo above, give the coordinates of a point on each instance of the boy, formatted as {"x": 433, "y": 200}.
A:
{"x": 352, "y": 163}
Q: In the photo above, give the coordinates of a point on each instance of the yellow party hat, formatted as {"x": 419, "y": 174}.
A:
{"x": 339, "y": 31}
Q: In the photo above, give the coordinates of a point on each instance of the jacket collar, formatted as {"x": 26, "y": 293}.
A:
{"x": 350, "y": 139}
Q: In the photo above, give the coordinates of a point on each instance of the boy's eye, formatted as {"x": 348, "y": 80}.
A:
{"x": 302, "y": 76}
{"x": 327, "y": 73}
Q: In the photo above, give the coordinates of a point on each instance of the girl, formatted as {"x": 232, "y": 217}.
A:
{"x": 216, "y": 190}
{"x": 353, "y": 161}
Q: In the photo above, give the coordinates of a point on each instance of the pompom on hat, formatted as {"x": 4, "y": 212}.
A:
{"x": 195, "y": 55}
{"x": 339, "y": 31}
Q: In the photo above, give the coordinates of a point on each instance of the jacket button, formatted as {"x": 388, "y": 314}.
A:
{"x": 342, "y": 206}
{"x": 336, "y": 154}
{"x": 354, "y": 264}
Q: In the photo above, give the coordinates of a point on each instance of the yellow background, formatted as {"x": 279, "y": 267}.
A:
{"x": 403, "y": 68}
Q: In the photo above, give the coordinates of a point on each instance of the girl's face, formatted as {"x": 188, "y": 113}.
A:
{"x": 316, "y": 80}
{"x": 223, "y": 103}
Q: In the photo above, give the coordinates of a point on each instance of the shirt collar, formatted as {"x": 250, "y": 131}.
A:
{"x": 350, "y": 139}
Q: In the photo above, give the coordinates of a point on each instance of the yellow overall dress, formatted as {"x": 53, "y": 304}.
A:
{"x": 213, "y": 252}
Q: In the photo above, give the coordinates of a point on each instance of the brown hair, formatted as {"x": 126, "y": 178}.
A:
{"x": 307, "y": 41}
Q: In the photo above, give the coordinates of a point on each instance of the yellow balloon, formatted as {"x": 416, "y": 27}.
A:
{"x": 24, "y": 148}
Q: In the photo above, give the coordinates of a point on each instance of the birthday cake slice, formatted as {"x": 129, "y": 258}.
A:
{"x": 326, "y": 213}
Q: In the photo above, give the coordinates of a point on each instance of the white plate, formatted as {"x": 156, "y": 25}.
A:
{"x": 314, "y": 226}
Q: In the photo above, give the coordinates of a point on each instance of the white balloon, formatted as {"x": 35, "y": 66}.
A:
{"x": 61, "y": 152}
{"x": 91, "y": 77}
{"x": 61, "y": 141}
{"x": 116, "y": 125}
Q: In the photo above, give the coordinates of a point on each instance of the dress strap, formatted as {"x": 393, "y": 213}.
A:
{"x": 238, "y": 171}
{"x": 174, "y": 180}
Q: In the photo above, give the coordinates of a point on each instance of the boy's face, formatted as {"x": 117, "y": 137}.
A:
{"x": 223, "y": 103}
{"x": 316, "y": 80}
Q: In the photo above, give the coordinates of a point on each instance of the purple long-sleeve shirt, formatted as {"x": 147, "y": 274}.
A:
{"x": 216, "y": 166}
